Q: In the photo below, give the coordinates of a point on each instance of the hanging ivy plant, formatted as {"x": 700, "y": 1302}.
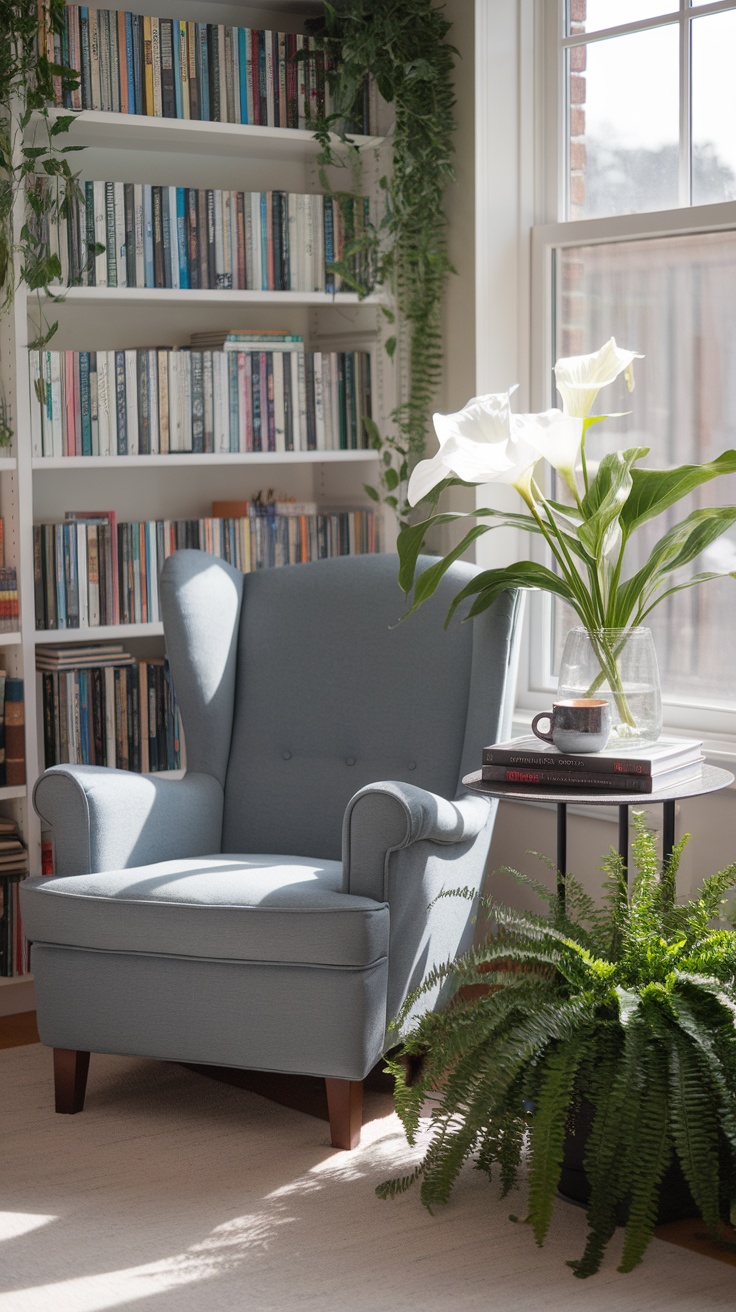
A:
{"x": 33, "y": 164}
{"x": 403, "y": 48}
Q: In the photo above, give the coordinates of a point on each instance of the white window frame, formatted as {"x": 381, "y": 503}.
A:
{"x": 520, "y": 60}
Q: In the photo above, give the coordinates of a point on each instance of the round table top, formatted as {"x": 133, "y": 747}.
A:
{"x": 710, "y": 779}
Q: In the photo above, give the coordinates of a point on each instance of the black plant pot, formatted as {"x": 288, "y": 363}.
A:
{"x": 675, "y": 1200}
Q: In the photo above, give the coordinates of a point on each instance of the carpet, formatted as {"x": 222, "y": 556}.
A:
{"x": 172, "y": 1191}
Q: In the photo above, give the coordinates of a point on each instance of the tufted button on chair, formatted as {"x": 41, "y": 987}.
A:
{"x": 272, "y": 909}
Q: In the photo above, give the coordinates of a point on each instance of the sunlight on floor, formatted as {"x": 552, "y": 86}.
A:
{"x": 221, "y": 1251}
{"x": 15, "y": 1224}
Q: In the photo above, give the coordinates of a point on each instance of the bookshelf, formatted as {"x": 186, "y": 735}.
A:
{"x": 38, "y": 489}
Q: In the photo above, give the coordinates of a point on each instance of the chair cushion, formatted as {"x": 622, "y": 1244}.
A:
{"x": 228, "y": 907}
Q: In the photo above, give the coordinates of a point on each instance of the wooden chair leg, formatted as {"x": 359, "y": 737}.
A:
{"x": 70, "y": 1079}
{"x": 345, "y": 1106}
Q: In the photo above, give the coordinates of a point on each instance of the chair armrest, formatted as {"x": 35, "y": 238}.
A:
{"x": 385, "y": 817}
{"x": 106, "y": 819}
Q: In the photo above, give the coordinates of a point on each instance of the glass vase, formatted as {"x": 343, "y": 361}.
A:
{"x": 620, "y": 665}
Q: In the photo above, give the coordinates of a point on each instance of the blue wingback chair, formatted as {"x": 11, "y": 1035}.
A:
{"x": 272, "y": 909}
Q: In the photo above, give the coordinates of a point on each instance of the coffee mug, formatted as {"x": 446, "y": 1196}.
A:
{"x": 576, "y": 726}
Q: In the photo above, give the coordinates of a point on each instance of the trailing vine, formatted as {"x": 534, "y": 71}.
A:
{"x": 33, "y": 164}
{"x": 403, "y": 48}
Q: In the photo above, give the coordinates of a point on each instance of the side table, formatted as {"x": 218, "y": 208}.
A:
{"x": 710, "y": 780}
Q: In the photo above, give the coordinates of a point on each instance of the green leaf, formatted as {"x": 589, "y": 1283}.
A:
{"x": 492, "y": 582}
{"x": 371, "y": 492}
{"x": 428, "y": 580}
{"x": 390, "y": 347}
{"x": 676, "y": 548}
{"x": 693, "y": 582}
{"x": 654, "y": 490}
{"x": 606, "y": 498}
{"x": 411, "y": 539}
{"x": 391, "y": 479}
{"x": 61, "y": 124}
{"x": 373, "y": 432}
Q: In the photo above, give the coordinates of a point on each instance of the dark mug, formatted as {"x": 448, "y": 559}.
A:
{"x": 576, "y": 726}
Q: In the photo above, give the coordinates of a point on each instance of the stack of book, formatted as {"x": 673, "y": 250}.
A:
{"x": 101, "y": 706}
{"x": 115, "y": 234}
{"x": 169, "y": 68}
{"x": 263, "y": 395}
{"x": 529, "y": 762}
{"x": 13, "y": 868}
{"x": 9, "y": 608}
{"x": 90, "y": 571}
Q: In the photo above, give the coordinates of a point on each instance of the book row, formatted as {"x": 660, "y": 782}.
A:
{"x": 162, "y": 402}
{"x": 14, "y": 953}
{"x": 12, "y": 733}
{"x": 130, "y": 234}
{"x": 120, "y": 715}
{"x": 168, "y": 68}
{"x": 90, "y": 571}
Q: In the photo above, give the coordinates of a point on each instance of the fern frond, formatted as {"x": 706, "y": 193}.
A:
{"x": 653, "y": 1152}
{"x": 547, "y": 1138}
{"x": 668, "y": 879}
{"x": 614, "y": 1094}
{"x": 716, "y": 1044}
{"x": 713, "y": 888}
{"x": 392, "y": 1188}
{"x": 694, "y": 1126}
{"x": 445, "y": 1158}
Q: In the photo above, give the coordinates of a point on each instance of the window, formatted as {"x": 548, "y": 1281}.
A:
{"x": 642, "y": 247}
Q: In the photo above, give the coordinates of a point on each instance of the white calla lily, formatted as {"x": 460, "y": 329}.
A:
{"x": 556, "y": 436}
{"x": 587, "y": 540}
{"x": 580, "y": 377}
{"x": 481, "y": 444}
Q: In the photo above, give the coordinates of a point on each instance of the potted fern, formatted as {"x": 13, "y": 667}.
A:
{"x": 622, "y": 1016}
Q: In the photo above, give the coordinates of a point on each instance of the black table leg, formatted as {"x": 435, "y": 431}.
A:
{"x": 561, "y": 853}
{"x": 623, "y": 837}
{"x": 668, "y": 830}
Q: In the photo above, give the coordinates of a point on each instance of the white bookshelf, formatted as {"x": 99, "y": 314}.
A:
{"x": 132, "y": 148}
{"x": 98, "y": 297}
{"x": 180, "y": 460}
{"x": 102, "y": 633}
{"x": 95, "y": 128}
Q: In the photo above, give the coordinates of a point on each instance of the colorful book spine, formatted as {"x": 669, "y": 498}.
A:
{"x": 122, "y": 402}
{"x": 92, "y": 577}
{"x": 127, "y": 63}
{"x": 592, "y": 780}
{"x": 3, "y": 771}
{"x": 15, "y": 733}
{"x": 120, "y": 714}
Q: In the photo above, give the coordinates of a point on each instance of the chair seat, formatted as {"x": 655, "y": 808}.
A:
{"x": 228, "y": 907}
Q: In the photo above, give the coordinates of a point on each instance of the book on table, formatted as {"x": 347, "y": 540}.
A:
{"x": 528, "y": 761}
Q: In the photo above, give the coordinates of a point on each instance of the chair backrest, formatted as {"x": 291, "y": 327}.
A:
{"x": 297, "y": 687}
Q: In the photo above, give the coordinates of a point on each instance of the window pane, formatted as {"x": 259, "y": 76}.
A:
{"x": 674, "y": 299}
{"x": 594, "y": 15}
{"x": 624, "y": 124}
{"x": 714, "y": 108}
